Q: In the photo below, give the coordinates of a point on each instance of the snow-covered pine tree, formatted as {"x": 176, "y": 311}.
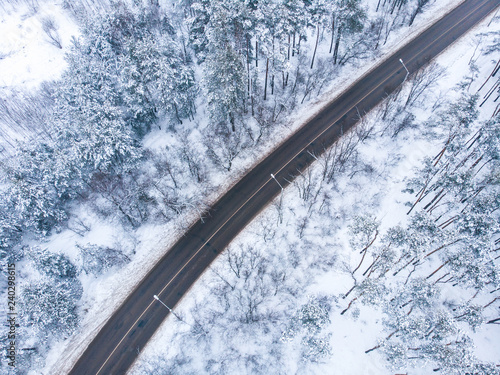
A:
{"x": 224, "y": 79}
{"x": 350, "y": 18}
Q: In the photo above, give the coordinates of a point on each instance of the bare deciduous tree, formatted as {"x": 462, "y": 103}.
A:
{"x": 50, "y": 28}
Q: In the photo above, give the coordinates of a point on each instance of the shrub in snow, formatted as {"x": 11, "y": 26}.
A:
{"x": 308, "y": 323}
{"x": 50, "y": 28}
{"x": 314, "y": 349}
{"x": 99, "y": 259}
{"x": 362, "y": 230}
{"x": 471, "y": 314}
{"x": 52, "y": 264}
{"x": 314, "y": 315}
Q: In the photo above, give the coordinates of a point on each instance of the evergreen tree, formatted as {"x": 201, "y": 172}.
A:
{"x": 99, "y": 259}
{"x": 57, "y": 266}
{"x": 350, "y": 18}
{"x": 224, "y": 73}
{"x": 50, "y": 307}
{"x": 35, "y": 190}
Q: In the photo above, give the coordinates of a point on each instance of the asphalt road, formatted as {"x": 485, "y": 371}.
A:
{"x": 118, "y": 343}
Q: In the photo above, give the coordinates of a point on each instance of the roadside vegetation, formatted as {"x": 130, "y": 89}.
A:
{"x": 307, "y": 278}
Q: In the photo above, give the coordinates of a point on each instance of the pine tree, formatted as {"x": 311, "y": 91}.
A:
{"x": 350, "y": 19}
{"x": 224, "y": 73}
{"x": 99, "y": 259}
{"x": 54, "y": 265}
{"x": 50, "y": 307}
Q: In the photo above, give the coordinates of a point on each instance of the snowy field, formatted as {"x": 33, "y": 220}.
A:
{"x": 34, "y": 41}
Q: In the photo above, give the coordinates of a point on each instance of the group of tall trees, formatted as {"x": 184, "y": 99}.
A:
{"x": 262, "y": 56}
{"x": 435, "y": 278}
{"x": 253, "y": 50}
{"x": 450, "y": 243}
{"x": 125, "y": 73}
{"x": 133, "y": 67}
{"x": 254, "y": 316}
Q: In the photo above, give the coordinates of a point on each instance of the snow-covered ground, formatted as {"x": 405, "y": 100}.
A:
{"x": 27, "y": 58}
{"x": 29, "y": 55}
{"x": 394, "y": 160}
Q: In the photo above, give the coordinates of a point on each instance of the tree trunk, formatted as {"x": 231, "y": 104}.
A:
{"x": 490, "y": 92}
{"x": 315, "y": 48}
{"x": 265, "y": 82}
{"x": 177, "y": 114}
{"x": 441, "y": 247}
{"x": 337, "y": 44}
{"x": 364, "y": 251}
{"x": 349, "y": 291}
{"x": 251, "y": 100}
{"x": 378, "y": 346}
{"x": 272, "y": 76}
{"x": 231, "y": 120}
{"x": 433, "y": 199}
{"x": 406, "y": 265}
{"x": 442, "y": 277}
{"x": 248, "y": 63}
{"x": 437, "y": 269}
{"x": 333, "y": 33}
{"x": 371, "y": 266}
{"x": 490, "y": 303}
{"x": 491, "y": 75}
{"x": 348, "y": 306}
{"x": 256, "y": 54}
{"x": 288, "y": 47}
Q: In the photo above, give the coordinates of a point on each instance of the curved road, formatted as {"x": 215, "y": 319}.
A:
{"x": 118, "y": 343}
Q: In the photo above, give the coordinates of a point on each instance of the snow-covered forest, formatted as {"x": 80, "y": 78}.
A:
{"x": 366, "y": 266}
{"x": 160, "y": 106}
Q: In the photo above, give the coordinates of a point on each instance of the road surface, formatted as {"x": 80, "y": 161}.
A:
{"x": 119, "y": 342}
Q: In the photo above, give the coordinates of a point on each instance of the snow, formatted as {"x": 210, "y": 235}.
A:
{"x": 26, "y": 56}
{"x": 380, "y": 194}
{"x": 27, "y": 59}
